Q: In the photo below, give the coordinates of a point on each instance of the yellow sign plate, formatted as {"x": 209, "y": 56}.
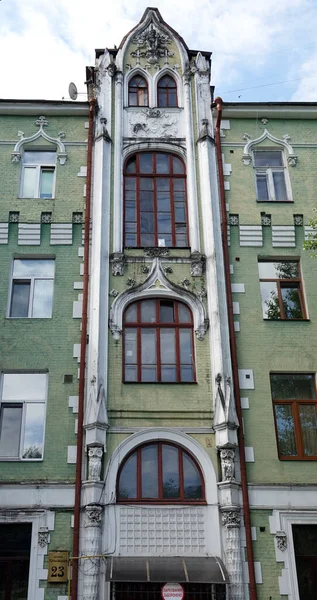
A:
{"x": 57, "y": 567}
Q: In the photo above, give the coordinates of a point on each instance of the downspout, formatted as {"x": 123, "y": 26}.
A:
{"x": 233, "y": 349}
{"x": 83, "y": 345}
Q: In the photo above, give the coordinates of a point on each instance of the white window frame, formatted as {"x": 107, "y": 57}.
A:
{"x": 38, "y": 168}
{"x": 24, "y": 403}
{"x": 31, "y": 279}
{"x": 268, "y": 171}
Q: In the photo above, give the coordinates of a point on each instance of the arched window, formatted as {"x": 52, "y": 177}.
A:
{"x": 158, "y": 342}
{"x": 160, "y": 472}
{"x": 155, "y": 200}
{"x": 167, "y": 91}
{"x": 138, "y": 91}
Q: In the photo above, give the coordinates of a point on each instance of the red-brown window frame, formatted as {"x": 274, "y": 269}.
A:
{"x": 154, "y": 175}
{"x": 158, "y": 325}
{"x": 136, "y": 89}
{"x": 164, "y": 90}
{"x": 296, "y": 418}
{"x": 160, "y": 499}
{"x": 287, "y": 283}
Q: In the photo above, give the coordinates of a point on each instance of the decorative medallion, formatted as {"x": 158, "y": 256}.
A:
{"x": 298, "y": 220}
{"x": 93, "y": 515}
{"x": 43, "y": 537}
{"x": 231, "y": 518}
{"x": 266, "y": 220}
{"x": 281, "y": 540}
{"x": 152, "y": 45}
{"x": 14, "y": 216}
{"x": 233, "y": 219}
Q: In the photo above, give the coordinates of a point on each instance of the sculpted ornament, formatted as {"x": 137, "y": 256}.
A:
{"x": 43, "y": 537}
{"x": 156, "y": 252}
{"x": 281, "y": 540}
{"x": 152, "y": 45}
{"x": 93, "y": 515}
{"x": 94, "y": 465}
{"x": 202, "y": 330}
{"x": 153, "y": 123}
{"x": 197, "y": 264}
{"x": 231, "y": 518}
{"x": 117, "y": 266}
{"x": 227, "y": 464}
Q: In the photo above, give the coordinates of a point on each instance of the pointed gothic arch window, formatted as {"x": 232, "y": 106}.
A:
{"x": 158, "y": 342}
{"x": 167, "y": 92}
{"x": 155, "y": 201}
{"x": 160, "y": 472}
{"x": 138, "y": 91}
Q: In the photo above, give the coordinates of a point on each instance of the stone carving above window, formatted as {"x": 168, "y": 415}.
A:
{"x": 281, "y": 540}
{"x": 250, "y": 144}
{"x": 42, "y": 122}
{"x": 151, "y": 122}
{"x": 152, "y": 45}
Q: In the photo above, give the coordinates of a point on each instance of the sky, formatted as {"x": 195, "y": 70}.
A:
{"x": 262, "y": 50}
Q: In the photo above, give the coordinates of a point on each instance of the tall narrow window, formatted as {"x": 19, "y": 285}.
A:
{"x": 167, "y": 92}
{"x": 160, "y": 472}
{"x": 270, "y": 175}
{"x": 38, "y": 174}
{"x": 138, "y": 91}
{"x": 281, "y": 290}
{"x": 158, "y": 342}
{"x": 155, "y": 201}
{"x": 295, "y": 410}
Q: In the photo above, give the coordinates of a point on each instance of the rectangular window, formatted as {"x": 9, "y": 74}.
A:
{"x": 295, "y": 404}
{"x": 22, "y": 415}
{"x": 270, "y": 176}
{"x": 281, "y": 290}
{"x": 38, "y": 174}
{"x": 32, "y": 288}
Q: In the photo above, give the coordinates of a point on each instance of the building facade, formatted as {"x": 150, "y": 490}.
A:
{"x": 43, "y": 156}
{"x": 270, "y": 190}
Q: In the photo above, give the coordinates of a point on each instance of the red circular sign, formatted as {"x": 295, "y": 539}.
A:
{"x": 173, "y": 591}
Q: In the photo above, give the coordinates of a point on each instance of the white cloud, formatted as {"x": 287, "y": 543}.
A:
{"x": 45, "y": 45}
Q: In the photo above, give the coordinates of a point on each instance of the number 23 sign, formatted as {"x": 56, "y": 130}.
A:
{"x": 57, "y": 567}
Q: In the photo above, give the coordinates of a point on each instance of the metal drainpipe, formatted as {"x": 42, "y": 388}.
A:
{"x": 233, "y": 349}
{"x": 82, "y": 367}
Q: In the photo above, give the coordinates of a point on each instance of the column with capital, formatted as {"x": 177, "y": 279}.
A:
{"x": 231, "y": 519}
{"x": 89, "y": 565}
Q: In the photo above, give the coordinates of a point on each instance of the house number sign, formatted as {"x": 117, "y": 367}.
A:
{"x": 172, "y": 591}
{"x": 57, "y": 567}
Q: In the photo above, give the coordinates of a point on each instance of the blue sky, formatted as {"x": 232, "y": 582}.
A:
{"x": 44, "y": 45}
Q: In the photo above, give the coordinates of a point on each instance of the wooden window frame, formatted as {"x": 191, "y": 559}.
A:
{"x": 160, "y": 499}
{"x": 158, "y": 325}
{"x": 136, "y": 90}
{"x": 295, "y": 282}
{"x": 138, "y": 175}
{"x": 165, "y": 91}
{"x": 296, "y": 419}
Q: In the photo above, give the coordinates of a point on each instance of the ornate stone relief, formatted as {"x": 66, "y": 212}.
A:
{"x": 117, "y": 264}
{"x": 43, "y": 537}
{"x": 14, "y": 216}
{"x": 153, "y": 123}
{"x": 145, "y": 269}
{"x": 281, "y": 540}
{"x": 130, "y": 282}
{"x": 202, "y": 330}
{"x": 233, "y": 219}
{"x": 231, "y": 518}
{"x": 250, "y": 144}
{"x": 185, "y": 283}
{"x": 95, "y": 454}
{"x": 152, "y": 45}
{"x": 156, "y": 252}
{"x": 266, "y": 220}
{"x": 197, "y": 264}
{"x": 93, "y": 515}
{"x": 168, "y": 270}
{"x": 41, "y": 122}
{"x": 298, "y": 220}
{"x": 113, "y": 293}
{"x": 227, "y": 464}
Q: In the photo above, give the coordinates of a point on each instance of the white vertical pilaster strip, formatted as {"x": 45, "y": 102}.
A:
{"x": 118, "y": 177}
{"x": 191, "y": 171}
{"x": 4, "y": 233}
{"x": 216, "y": 292}
{"x": 97, "y": 350}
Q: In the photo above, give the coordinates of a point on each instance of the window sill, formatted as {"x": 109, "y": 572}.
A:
{"x": 168, "y": 501}
{"x": 20, "y": 460}
{"x": 160, "y": 382}
{"x": 275, "y": 201}
{"x": 297, "y": 458}
{"x": 28, "y": 318}
{"x": 35, "y": 198}
{"x": 286, "y": 320}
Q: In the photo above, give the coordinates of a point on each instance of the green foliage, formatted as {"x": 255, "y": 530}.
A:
{"x": 311, "y": 243}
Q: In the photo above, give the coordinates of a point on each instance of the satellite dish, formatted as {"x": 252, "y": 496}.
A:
{"x": 72, "y": 90}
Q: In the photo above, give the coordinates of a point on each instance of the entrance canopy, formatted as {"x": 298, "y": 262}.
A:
{"x": 208, "y": 569}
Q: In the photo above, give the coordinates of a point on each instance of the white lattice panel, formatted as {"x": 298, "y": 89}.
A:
{"x": 155, "y": 531}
